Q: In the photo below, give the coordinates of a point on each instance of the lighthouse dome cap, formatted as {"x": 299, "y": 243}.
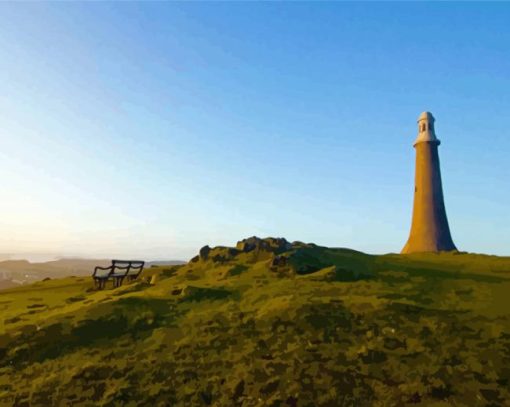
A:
{"x": 426, "y": 116}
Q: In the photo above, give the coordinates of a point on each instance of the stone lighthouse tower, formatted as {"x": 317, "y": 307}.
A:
{"x": 429, "y": 229}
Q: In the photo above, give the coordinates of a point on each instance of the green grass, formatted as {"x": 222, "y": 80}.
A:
{"x": 316, "y": 327}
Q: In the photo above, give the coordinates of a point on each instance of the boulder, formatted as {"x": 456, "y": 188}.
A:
{"x": 278, "y": 261}
{"x": 204, "y": 252}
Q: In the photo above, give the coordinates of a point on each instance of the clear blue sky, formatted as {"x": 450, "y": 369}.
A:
{"x": 151, "y": 129}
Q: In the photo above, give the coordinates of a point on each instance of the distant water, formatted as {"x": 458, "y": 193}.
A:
{"x": 31, "y": 257}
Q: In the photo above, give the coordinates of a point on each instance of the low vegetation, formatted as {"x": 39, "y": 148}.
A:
{"x": 267, "y": 323}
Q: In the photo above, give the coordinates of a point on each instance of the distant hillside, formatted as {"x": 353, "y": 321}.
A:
{"x": 266, "y": 323}
{"x": 23, "y": 272}
{"x": 17, "y": 272}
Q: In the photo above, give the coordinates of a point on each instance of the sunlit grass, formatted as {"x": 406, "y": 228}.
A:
{"x": 322, "y": 327}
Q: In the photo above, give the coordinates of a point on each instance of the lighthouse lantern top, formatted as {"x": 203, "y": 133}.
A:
{"x": 426, "y": 131}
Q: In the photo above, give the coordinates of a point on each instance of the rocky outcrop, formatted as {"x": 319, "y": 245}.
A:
{"x": 271, "y": 244}
{"x": 258, "y": 249}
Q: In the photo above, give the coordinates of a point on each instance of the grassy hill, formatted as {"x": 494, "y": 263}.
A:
{"x": 267, "y": 323}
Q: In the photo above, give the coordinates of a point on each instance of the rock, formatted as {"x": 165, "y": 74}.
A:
{"x": 223, "y": 254}
{"x": 278, "y": 261}
{"x": 246, "y": 245}
{"x": 204, "y": 252}
{"x": 176, "y": 291}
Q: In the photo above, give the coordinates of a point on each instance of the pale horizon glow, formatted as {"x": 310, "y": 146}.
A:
{"x": 147, "y": 130}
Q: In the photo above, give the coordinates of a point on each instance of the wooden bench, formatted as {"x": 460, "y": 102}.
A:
{"x": 117, "y": 272}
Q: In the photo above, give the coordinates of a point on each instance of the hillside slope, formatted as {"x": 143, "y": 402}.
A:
{"x": 266, "y": 323}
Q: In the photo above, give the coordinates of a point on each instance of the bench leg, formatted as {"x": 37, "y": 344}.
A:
{"x": 117, "y": 282}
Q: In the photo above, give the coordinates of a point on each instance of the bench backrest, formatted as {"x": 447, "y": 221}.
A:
{"x": 132, "y": 267}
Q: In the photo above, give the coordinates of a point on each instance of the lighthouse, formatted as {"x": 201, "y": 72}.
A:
{"x": 429, "y": 228}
